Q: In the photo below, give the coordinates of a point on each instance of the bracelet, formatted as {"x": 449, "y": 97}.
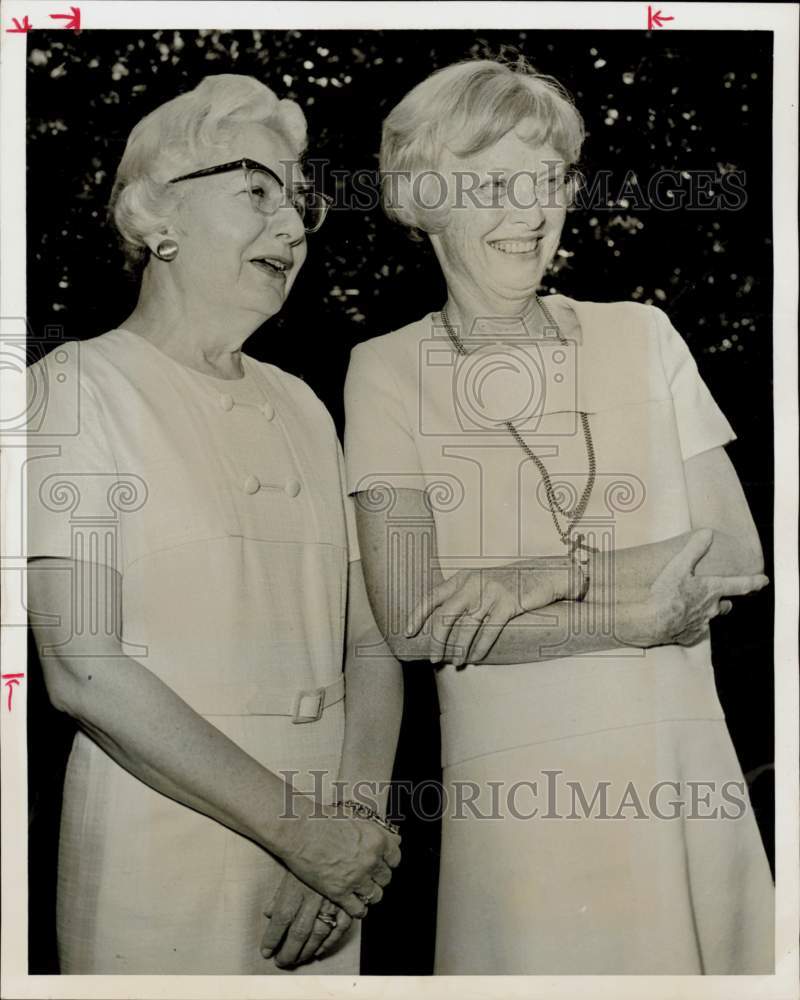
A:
{"x": 581, "y": 556}
{"x": 361, "y": 811}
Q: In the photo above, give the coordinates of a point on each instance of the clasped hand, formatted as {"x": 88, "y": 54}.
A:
{"x": 301, "y": 924}
{"x": 679, "y": 605}
{"x": 468, "y": 611}
{"x": 338, "y": 866}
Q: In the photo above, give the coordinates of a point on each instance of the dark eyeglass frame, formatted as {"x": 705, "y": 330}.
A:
{"x": 248, "y": 166}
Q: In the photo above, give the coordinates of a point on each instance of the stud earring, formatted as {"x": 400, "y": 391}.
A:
{"x": 167, "y": 250}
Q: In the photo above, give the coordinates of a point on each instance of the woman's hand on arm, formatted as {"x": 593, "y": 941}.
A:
{"x": 652, "y": 589}
{"x": 155, "y": 735}
{"x": 424, "y": 617}
{"x": 668, "y": 591}
{"x": 716, "y": 502}
{"x": 680, "y": 603}
{"x": 481, "y": 602}
{"x": 674, "y": 607}
{"x": 729, "y": 554}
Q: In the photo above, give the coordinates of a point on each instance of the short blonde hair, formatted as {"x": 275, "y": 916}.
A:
{"x": 177, "y": 136}
{"x": 467, "y": 107}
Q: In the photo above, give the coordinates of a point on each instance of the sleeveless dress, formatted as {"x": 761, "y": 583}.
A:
{"x": 221, "y": 502}
{"x": 596, "y": 818}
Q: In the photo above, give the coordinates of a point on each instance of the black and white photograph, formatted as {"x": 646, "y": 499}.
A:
{"x": 400, "y": 499}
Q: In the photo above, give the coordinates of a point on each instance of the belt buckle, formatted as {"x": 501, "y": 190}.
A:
{"x": 313, "y": 699}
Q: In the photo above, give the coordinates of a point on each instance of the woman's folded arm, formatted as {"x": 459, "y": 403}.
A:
{"x": 526, "y": 611}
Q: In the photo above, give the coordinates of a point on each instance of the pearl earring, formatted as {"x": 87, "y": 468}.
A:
{"x": 167, "y": 250}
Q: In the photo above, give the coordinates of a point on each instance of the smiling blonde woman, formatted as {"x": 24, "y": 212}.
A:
{"x": 512, "y": 454}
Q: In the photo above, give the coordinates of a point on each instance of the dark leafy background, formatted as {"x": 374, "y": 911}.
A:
{"x": 667, "y": 100}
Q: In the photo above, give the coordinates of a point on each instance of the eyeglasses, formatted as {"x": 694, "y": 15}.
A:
{"x": 268, "y": 192}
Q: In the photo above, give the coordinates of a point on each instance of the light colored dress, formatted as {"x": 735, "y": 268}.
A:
{"x": 621, "y": 887}
{"x": 222, "y": 504}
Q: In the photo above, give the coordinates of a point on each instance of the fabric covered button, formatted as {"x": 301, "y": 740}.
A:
{"x": 251, "y": 485}
{"x": 292, "y": 488}
{"x": 268, "y": 409}
{"x": 226, "y": 401}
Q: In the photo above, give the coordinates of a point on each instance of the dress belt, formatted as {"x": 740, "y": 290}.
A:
{"x": 305, "y": 705}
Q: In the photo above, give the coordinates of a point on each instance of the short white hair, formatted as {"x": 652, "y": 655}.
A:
{"x": 177, "y": 137}
{"x": 467, "y": 107}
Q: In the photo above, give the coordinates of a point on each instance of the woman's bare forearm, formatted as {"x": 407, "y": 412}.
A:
{"x": 374, "y": 703}
{"x": 620, "y": 581}
{"x": 619, "y": 584}
{"x": 566, "y": 628}
{"x": 374, "y": 714}
{"x": 149, "y": 730}
{"x": 625, "y": 575}
{"x": 616, "y": 607}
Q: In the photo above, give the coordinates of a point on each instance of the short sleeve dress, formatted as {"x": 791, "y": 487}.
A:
{"x": 596, "y": 819}
{"x": 222, "y": 504}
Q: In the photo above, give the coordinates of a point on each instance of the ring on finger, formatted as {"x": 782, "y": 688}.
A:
{"x": 366, "y": 900}
{"x": 327, "y": 918}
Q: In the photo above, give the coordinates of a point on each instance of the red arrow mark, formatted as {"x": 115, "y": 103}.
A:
{"x": 19, "y": 29}
{"x": 73, "y": 20}
{"x": 10, "y": 681}
{"x": 654, "y": 20}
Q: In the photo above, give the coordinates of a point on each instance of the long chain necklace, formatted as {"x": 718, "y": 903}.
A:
{"x": 573, "y": 514}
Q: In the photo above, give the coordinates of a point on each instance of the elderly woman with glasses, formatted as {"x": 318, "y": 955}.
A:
{"x": 195, "y": 586}
{"x": 546, "y": 511}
